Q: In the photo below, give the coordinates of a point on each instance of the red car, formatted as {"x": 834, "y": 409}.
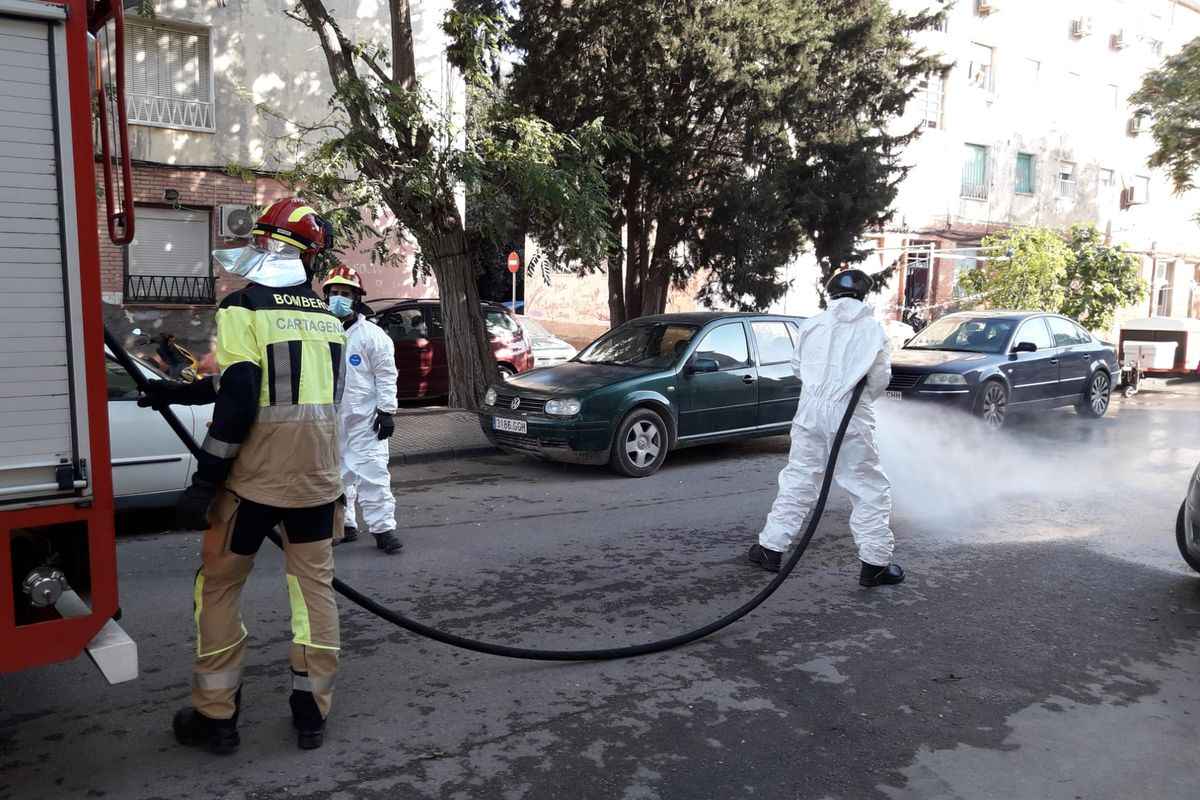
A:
{"x": 415, "y": 326}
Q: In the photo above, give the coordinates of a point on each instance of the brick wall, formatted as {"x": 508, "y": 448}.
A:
{"x": 204, "y": 190}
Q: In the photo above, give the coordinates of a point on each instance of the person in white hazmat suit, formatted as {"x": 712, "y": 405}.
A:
{"x": 365, "y": 412}
{"x": 834, "y": 350}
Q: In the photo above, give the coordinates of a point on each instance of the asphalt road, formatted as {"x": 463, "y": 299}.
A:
{"x": 1045, "y": 644}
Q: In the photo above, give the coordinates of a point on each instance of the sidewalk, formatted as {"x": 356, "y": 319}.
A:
{"x": 436, "y": 432}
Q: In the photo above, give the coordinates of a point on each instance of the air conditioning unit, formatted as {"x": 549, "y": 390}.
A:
{"x": 1133, "y": 195}
{"x": 1081, "y": 27}
{"x": 236, "y": 221}
{"x": 1136, "y": 125}
{"x": 1120, "y": 40}
{"x": 988, "y": 6}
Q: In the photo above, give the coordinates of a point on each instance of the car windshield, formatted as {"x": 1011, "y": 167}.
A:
{"x": 964, "y": 335}
{"x": 654, "y": 345}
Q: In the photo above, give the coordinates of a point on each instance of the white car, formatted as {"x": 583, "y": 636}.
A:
{"x": 548, "y": 349}
{"x": 151, "y": 467}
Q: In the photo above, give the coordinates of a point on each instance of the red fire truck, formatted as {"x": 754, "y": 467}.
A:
{"x": 62, "y": 101}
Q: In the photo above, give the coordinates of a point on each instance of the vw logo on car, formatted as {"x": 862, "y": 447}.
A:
{"x": 515, "y": 404}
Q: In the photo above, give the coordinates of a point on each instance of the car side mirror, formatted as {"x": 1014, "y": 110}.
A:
{"x": 1025, "y": 347}
{"x": 704, "y": 365}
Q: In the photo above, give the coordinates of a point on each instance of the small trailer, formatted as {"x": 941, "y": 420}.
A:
{"x": 1158, "y": 347}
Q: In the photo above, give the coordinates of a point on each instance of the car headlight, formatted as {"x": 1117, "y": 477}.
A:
{"x": 563, "y": 408}
{"x": 489, "y": 397}
{"x": 945, "y": 379}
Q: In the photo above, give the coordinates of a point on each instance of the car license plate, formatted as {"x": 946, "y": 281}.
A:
{"x": 893, "y": 395}
{"x": 510, "y": 425}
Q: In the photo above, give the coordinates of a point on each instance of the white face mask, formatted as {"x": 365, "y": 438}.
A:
{"x": 263, "y": 267}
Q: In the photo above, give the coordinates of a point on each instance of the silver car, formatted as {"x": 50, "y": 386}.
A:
{"x": 548, "y": 349}
{"x": 1187, "y": 526}
{"x": 151, "y": 467}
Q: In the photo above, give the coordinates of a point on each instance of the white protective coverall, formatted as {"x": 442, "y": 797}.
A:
{"x": 834, "y": 350}
{"x": 370, "y": 385}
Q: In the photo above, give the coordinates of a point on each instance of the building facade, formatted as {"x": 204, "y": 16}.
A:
{"x": 1032, "y": 127}
{"x": 199, "y": 77}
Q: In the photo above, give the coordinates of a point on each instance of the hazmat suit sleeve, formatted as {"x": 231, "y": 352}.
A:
{"x": 383, "y": 363}
{"x": 237, "y": 390}
{"x": 879, "y": 375}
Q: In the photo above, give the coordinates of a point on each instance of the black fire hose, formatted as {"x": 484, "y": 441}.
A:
{"x": 509, "y": 651}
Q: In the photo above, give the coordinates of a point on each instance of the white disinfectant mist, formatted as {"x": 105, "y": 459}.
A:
{"x": 947, "y": 467}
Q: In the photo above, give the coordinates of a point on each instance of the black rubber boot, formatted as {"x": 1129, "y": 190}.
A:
{"x": 351, "y": 536}
{"x": 388, "y": 541}
{"x": 874, "y": 575}
{"x": 310, "y": 738}
{"x": 215, "y": 735}
{"x": 765, "y": 557}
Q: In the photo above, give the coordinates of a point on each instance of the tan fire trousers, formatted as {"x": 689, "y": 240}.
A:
{"x": 227, "y": 553}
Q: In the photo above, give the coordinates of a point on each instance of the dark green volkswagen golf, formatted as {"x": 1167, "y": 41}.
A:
{"x": 649, "y": 386}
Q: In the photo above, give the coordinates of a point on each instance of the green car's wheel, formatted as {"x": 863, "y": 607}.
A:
{"x": 640, "y": 446}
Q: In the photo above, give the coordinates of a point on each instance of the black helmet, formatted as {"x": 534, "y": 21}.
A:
{"x": 849, "y": 283}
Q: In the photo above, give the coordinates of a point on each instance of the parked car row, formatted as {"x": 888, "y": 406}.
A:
{"x": 415, "y": 327}
{"x": 660, "y": 383}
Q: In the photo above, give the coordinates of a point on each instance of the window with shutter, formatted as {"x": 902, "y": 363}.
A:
{"x": 170, "y": 259}
{"x": 168, "y": 76}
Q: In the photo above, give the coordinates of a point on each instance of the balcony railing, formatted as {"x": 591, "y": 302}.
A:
{"x": 169, "y": 112}
{"x": 974, "y": 191}
{"x": 175, "y": 289}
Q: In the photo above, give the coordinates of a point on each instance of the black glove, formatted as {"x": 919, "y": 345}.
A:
{"x": 385, "y": 426}
{"x": 191, "y": 512}
{"x": 159, "y": 394}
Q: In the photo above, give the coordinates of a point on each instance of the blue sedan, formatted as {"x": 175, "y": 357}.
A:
{"x": 992, "y": 362}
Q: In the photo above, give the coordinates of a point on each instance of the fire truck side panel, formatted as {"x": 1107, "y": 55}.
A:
{"x": 55, "y": 473}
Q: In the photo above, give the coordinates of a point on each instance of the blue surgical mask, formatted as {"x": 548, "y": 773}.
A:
{"x": 341, "y": 306}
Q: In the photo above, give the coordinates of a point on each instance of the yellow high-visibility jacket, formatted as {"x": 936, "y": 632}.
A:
{"x": 274, "y": 438}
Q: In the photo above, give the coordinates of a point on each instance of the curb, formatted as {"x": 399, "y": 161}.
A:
{"x": 441, "y": 454}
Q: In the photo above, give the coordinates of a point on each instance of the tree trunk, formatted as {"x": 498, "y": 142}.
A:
{"x": 468, "y": 346}
{"x": 635, "y": 222}
{"x": 613, "y": 264}
{"x": 658, "y": 279}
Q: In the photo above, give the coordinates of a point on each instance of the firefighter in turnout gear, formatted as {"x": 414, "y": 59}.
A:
{"x": 270, "y": 459}
{"x": 365, "y": 412}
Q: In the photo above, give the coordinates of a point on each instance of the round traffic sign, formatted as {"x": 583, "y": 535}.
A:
{"x": 514, "y": 262}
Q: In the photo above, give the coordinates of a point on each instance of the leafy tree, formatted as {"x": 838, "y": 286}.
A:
{"x": 1029, "y": 276}
{"x": 1170, "y": 98}
{"x": 752, "y": 128}
{"x": 386, "y": 150}
{"x": 1081, "y": 277}
{"x": 1100, "y": 278}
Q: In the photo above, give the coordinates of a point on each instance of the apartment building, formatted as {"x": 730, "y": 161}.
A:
{"x": 1032, "y": 127}
{"x": 195, "y": 75}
